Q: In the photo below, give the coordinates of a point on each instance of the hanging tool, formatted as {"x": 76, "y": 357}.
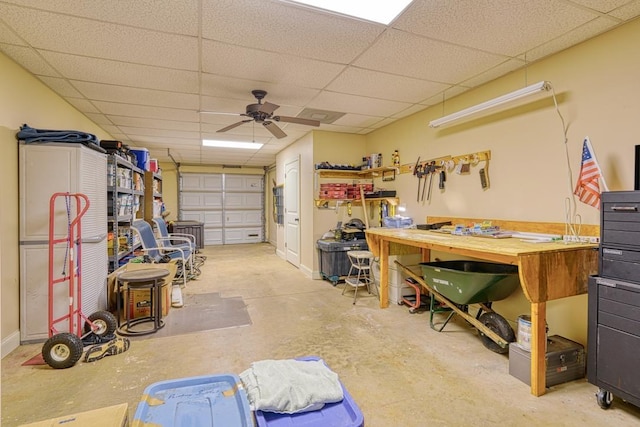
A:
{"x": 418, "y": 173}
{"x": 431, "y": 169}
{"x": 443, "y": 178}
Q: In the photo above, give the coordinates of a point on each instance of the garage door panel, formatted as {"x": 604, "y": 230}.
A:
{"x": 243, "y": 218}
{"x": 242, "y": 200}
{"x": 240, "y": 183}
{"x": 242, "y": 235}
{"x": 212, "y": 236}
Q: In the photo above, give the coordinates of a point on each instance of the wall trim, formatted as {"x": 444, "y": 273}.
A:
{"x": 10, "y": 343}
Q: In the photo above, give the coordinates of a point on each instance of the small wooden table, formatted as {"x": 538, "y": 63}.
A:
{"x": 148, "y": 279}
{"x": 547, "y": 271}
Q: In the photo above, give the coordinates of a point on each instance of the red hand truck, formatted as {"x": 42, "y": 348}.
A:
{"x": 64, "y": 348}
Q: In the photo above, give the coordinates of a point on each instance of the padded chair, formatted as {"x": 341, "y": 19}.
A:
{"x": 178, "y": 240}
{"x": 153, "y": 247}
{"x": 359, "y": 272}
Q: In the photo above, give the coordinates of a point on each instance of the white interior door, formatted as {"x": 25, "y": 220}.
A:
{"x": 292, "y": 211}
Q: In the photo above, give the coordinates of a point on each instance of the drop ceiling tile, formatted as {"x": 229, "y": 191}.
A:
{"x": 292, "y": 29}
{"x": 123, "y": 74}
{"x": 571, "y": 38}
{"x": 159, "y": 132}
{"x": 153, "y": 123}
{"x": 345, "y": 129}
{"x": 123, "y": 94}
{"x": 212, "y": 104}
{"x": 630, "y": 11}
{"x": 277, "y": 68}
{"x": 357, "y": 104}
{"x": 357, "y": 120}
{"x": 29, "y": 59}
{"x": 143, "y": 111}
{"x": 83, "y": 105}
{"x": 447, "y": 94}
{"x": 382, "y": 123}
{"x": 409, "y": 111}
{"x": 506, "y": 67}
{"x": 172, "y": 17}
{"x": 604, "y": 6}
{"x": 7, "y": 35}
{"x": 61, "y": 86}
{"x": 404, "y": 54}
{"x": 248, "y": 129}
{"x": 358, "y": 81}
{"x": 109, "y": 41}
{"x": 99, "y": 119}
{"x": 527, "y": 24}
{"x": 154, "y": 141}
{"x": 240, "y": 89}
{"x": 111, "y": 129}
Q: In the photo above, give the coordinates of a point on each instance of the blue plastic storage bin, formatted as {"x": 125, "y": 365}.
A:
{"x": 340, "y": 414}
{"x": 206, "y": 401}
{"x": 142, "y": 158}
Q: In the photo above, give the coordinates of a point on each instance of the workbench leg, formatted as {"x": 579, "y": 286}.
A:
{"x": 538, "y": 348}
{"x": 384, "y": 273}
{"x": 426, "y": 254}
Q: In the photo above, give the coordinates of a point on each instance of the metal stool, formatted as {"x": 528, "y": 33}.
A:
{"x": 360, "y": 262}
{"x": 149, "y": 279}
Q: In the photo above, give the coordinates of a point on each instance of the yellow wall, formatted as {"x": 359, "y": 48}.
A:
{"x": 596, "y": 85}
{"x": 24, "y": 100}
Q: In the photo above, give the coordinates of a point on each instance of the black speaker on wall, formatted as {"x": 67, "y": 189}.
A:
{"x": 636, "y": 182}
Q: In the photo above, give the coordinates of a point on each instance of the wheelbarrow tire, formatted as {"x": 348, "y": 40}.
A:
{"x": 105, "y": 322}
{"x": 62, "y": 351}
{"x": 500, "y": 326}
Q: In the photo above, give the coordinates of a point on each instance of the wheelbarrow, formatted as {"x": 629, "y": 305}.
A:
{"x": 455, "y": 285}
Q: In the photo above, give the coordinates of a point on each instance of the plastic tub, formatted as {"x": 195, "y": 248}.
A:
{"x": 340, "y": 414}
{"x": 469, "y": 282}
{"x": 206, "y": 401}
{"x": 142, "y": 158}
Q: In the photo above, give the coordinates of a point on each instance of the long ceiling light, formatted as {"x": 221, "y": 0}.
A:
{"x": 520, "y": 93}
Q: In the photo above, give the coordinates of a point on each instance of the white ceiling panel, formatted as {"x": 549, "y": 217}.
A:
{"x": 146, "y": 112}
{"x": 153, "y": 123}
{"x": 508, "y": 27}
{"x": 61, "y": 86}
{"x": 253, "y": 64}
{"x": 401, "y": 53}
{"x": 143, "y": 70}
{"x": 571, "y": 38}
{"x": 346, "y": 103}
{"x": 29, "y": 59}
{"x": 69, "y": 35}
{"x": 179, "y": 17}
{"x": 121, "y": 73}
{"x": 124, "y": 94}
{"x": 293, "y": 30}
{"x": 358, "y": 81}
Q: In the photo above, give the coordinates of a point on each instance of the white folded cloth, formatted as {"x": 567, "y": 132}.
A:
{"x": 290, "y": 386}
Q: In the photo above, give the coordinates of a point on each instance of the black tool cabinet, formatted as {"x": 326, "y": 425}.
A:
{"x": 613, "y": 349}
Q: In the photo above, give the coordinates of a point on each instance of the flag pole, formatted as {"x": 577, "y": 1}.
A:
{"x": 593, "y": 154}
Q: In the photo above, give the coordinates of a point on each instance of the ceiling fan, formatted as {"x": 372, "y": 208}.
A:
{"x": 262, "y": 112}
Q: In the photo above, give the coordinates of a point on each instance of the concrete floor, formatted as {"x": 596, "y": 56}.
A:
{"x": 398, "y": 370}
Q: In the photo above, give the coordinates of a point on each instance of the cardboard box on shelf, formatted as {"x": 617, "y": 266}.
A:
{"x": 111, "y": 416}
{"x": 140, "y": 305}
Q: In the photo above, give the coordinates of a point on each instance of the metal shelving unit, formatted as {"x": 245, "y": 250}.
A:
{"x": 125, "y": 191}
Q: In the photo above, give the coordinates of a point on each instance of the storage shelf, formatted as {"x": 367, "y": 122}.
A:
{"x": 356, "y": 174}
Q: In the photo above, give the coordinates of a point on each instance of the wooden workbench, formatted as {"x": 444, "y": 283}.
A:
{"x": 547, "y": 271}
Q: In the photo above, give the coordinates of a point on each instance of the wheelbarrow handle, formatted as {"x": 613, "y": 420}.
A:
{"x": 466, "y": 316}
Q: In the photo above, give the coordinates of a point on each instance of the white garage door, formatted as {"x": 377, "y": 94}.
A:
{"x": 230, "y": 206}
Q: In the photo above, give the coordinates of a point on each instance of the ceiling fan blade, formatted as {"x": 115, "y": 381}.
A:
{"x": 235, "y": 125}
{"x": 274, "y": 129}
{"x": 268, "y": 108}
{"x": 297, "y": 120}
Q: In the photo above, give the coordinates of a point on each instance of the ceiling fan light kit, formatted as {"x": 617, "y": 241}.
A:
{"x": 262, "y": 112}
{"x": 509, "y": 97}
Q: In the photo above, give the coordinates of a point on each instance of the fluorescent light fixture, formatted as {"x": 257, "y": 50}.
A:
{"x": 520, "y": 93}
{"x": 231, "y": 144}
{"x": 377, "y": 11}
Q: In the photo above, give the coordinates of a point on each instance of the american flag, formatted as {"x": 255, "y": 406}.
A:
{"x": 588, "y": 187}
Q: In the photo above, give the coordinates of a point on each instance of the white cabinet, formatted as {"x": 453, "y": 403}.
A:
{"x": 46, "y": 169}
{"x": 230, "y": 206}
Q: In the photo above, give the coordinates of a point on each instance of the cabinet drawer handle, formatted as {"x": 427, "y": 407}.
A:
{"x": 625, "y": 208}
